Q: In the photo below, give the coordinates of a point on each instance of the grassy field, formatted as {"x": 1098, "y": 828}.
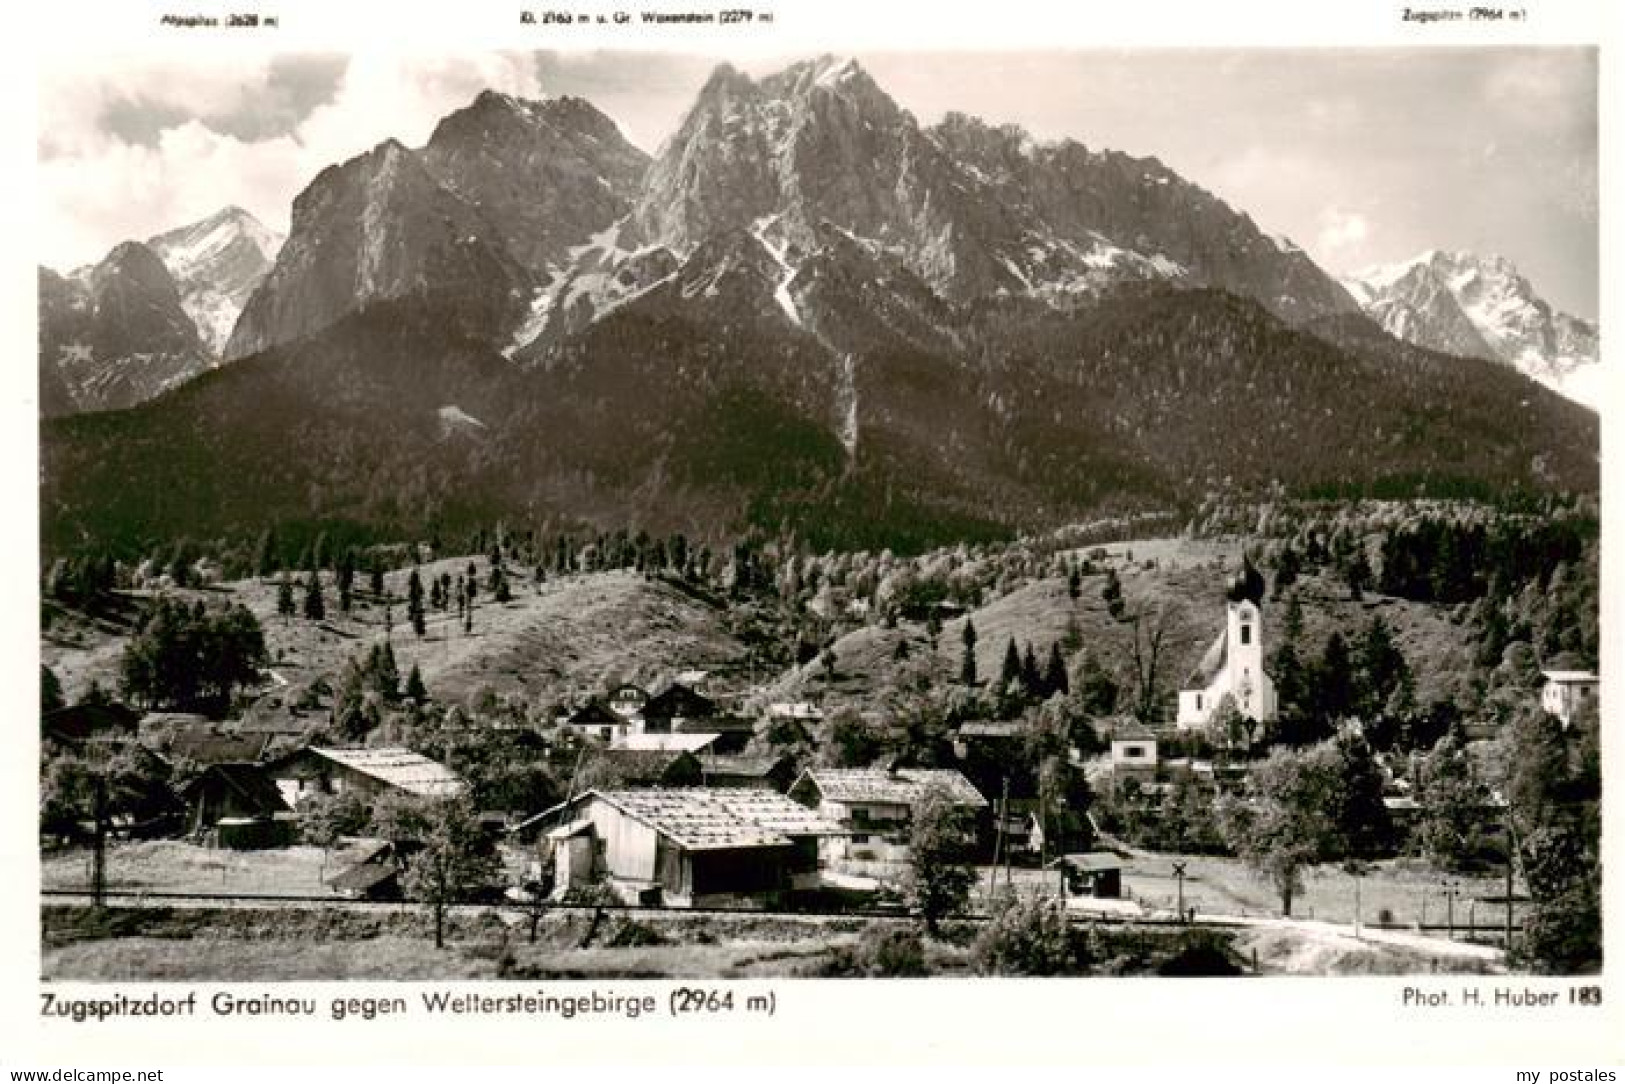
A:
{"x": 177, "y": 866}
{"x": 1409, "y": 891}
{"x": 552, "y": 639}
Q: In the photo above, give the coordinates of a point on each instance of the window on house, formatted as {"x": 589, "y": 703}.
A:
{"x": 1246, "y": 634}
{"x": 1198, "y": 701}
{"x": 1134, "y": 750}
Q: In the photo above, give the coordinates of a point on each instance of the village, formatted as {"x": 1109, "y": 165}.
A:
{"x": 703, "y": 791}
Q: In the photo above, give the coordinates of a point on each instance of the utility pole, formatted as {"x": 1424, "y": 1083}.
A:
{"x": 1179, "y": 879}
{"x": 998, "y": 840}
{"x": 1512, "y": 849}
{"x": 98, "y": 869}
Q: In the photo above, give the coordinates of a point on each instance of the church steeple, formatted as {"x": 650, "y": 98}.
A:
{"x": 1247, "y": 585}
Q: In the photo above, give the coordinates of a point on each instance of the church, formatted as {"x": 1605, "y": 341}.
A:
{"x": 1234, "y": 665}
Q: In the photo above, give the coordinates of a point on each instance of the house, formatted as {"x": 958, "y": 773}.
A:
{"x": 231, "y": 791}
{"x": 1233, "y": 666}
{"x": 773, "y": 773}
{"x": 1566, "y": 691}
{"x": 367, "y": 773}
{"x": 694, "y": 847}
{"x": 1134, "y": 752}
{"x": 1098, "y": 874}
{"x": 647, "y": 768}
{"x": 876, "y": 806}
{"x": 804, "y": 710}
{"x": 627, "y": 701}
{"x": 675, "y": 703}
{"x": 595, "y": 718}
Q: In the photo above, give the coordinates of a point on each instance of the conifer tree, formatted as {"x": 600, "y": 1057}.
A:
{"x": 315, "y": 605}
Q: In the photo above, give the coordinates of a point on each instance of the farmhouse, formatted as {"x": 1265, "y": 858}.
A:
{"x": 313, "y": 772}
{"x": 627, "y": 700}
{"x": 596, "y": 719}
{"x": 1134, "y": 752}
{"x": 695, "y": 847}
{"x": 1566, "y": 691}
{"x": 1232, "y": 669}
{"x": 677, "y": 702}
{"x": 231, "y": 792}
{"x": 730, "y": 733}
{"x": 876, "y": 806}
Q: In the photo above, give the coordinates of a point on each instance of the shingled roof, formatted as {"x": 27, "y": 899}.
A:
{"x": 905, "y": 786}
{"x": 1212, "y": 662}
{"x": 400, "y": 768}
{"x": 704, "y": 818}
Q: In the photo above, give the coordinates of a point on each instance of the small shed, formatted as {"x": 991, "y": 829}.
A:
{"x": 1098, "y": 874}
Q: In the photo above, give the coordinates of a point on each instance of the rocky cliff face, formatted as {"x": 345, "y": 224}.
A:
{"x": 114, "y": 335}
{"x": 1481, "y": 306}
{"x": 546, "y": 175}
{"x": 217, "y": 264}
{"x": 380, "y": 227}
{"x": 974, "y": 210}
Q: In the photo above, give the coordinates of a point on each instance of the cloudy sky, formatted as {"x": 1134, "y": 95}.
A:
{"x": 1360, "y": 156}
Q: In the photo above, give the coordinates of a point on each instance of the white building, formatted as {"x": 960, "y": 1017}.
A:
{"x": 1566, "y": 691}
{"x": 1234, "y": 664}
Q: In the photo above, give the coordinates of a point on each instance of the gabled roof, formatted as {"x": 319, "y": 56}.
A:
{"x": 594, "y": 713}
{"x": 248, "y": 781}
{"x": 208, "y": 746}
{"x": 648, "y": 766}
{"x": 363, "y": 877}
{"x": 704, "y": 818}
{"x": 716, "y": 724}
{"x": 78, "y": 722}
{"x": 398, "y": 767}
{"x": 1212, "y": 662}
{"x": 905, "y": 786}
{"x": 664, "y": 743}
{"x": 1133, "y": 730}
{"x": 678, "y": 701}
{"x": 744, "y": 767}
{"x": 1571, "y": 677}
{"x": 1093, "y": 861}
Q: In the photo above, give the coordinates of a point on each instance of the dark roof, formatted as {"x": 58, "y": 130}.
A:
{"x": 648, "y": 766}
{"x": 715, "y": 724}
{"x": 745, "y": 767}
{"x": 678, "y": 701}
{"x": 363, "y": 877}
{"x": 595, "y": 713}
{"x": 205, "y": 745}
{"x": 1247, "y": 585}
{"x": 1094, "y": 860}
{"x": 250, "y": 781}
{"x": 1132, "y": 730}
{"x": 79, "y": 722}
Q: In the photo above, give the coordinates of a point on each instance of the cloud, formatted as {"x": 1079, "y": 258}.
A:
{"x": 1342, "y": 231}
{"x": 144, "y": 172}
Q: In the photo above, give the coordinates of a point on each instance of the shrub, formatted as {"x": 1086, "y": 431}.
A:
{"x": 1026, "y": 936}
{"x": 882, "y": 951}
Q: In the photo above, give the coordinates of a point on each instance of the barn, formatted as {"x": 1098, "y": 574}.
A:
{"x": 690, "y": 847}
{"x": 314, "y": 772}
{"x": 876, "y": 806}
{"x": 231, "y": 792}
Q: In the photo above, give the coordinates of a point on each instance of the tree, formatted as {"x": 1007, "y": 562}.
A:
{"x": 1010, "y": 671}
{"x": 1055, "y": 679}
{"x": 1026, "y": 935}
{"x": 265, "y": 554}
{"x": 416, "y": 692}
{"x": 967, "y": 667}
{"x": 315, "y": 606}
{"x": 414, "y": 603}
{"x": 454, "y": 859}
{"x": 50, "y": 690}
{"x": 852, "y": 743}
{"x": 940, "y": 874}
{"x": 285, "y": 606}
{"x": 1299, "y": 813}
{"x": 1450, "y": 829}
{"x": 188, "y": 658}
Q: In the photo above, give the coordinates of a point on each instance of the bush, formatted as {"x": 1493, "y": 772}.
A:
{"x": 1026, "y": 936}
{"x": 883, "y": 951}
{"x": 629, "y": 933}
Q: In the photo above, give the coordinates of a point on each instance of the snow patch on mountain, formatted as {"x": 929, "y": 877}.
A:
{"x": 1473, "y": 305}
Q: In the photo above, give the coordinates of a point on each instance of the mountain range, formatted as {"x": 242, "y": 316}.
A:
{"x": 807, "y": 312}
{"x": 1479, "y": 306}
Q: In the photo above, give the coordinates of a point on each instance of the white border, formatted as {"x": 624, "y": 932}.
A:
{"x": 943, "y": 1022}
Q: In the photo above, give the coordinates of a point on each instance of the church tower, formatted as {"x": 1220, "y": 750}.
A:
{"x": 1244, "y": 627}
